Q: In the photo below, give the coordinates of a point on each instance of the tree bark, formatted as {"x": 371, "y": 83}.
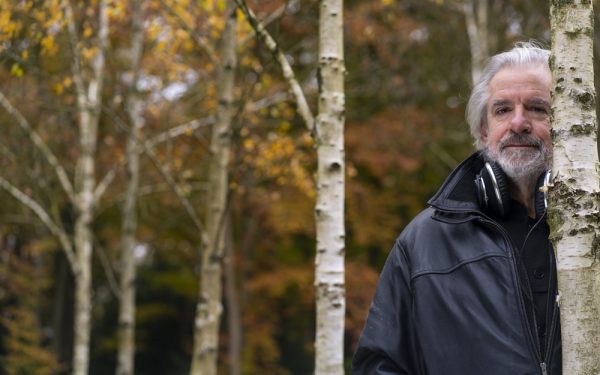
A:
{"x": 574, "y": 208}
{"x": 329, "y": 210}
{"x": 476, "y": 19}
{"x": 126, "y": 346}
{"x": 209, "y": 307}
{"x": 89, "y": 101}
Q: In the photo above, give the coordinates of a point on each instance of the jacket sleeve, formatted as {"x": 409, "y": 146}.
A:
{"x": 387, "y": 344}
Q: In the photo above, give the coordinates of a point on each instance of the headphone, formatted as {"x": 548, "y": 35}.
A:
{"x": 491, "y": 185}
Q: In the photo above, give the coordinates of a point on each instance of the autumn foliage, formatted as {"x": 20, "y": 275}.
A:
{"x": 407, "y": 82}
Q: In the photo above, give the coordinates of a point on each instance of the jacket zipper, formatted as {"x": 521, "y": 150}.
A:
{"x": 555, "y": 309}
{"x": 552, "y": 319}
{"x": 543, "y": 360}
{"x": 533, "y": 340}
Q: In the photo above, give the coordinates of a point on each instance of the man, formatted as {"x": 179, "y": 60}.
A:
{"x": 470, "y": 285}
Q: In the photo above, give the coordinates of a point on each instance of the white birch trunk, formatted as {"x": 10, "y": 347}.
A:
{"x": 209, "y": 307}
{"x": 329, "y": 210}
{"x": 126, "y": 345}
{"x": 89, "y": 101}
{"x": 574, "y": 208}
{"x": 476, "y": 19}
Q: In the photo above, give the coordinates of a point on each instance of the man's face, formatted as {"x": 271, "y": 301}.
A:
{"x": 518, "y": 116}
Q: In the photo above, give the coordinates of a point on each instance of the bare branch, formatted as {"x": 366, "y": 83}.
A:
{"x": 288, "y": 72}
{"x": 151, "y": 143}
{"x": 108, "y": 270}
{"x": 99, "y": 61}
{"x": 267, "y": 101}
{"x": 277, "y": 14}
{"x": 74, "y": 41}
{"x": 179, "y": 130}
{"x": 166, "y": 176}
{"x": 41, "y": 145}
{"x": 43, "y": 215}
{"x": 105, "y": 182}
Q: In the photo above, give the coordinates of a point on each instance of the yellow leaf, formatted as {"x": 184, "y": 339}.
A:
{"x": 87, "y": 32}
{"x": 88, "y": 53}
{"x": 58, "y": 88}
{"x": 248, "y": 144}
{"x": 16, "y": 70}
{"x": 48, "y": 45}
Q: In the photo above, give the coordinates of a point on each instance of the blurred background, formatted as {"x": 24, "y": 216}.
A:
{"x": 409, "y": 70}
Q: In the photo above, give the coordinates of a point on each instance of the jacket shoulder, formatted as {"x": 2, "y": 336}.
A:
{"x": 439, "y": 242}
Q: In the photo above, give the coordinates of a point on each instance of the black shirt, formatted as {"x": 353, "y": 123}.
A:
{"x": 537, "y": 270}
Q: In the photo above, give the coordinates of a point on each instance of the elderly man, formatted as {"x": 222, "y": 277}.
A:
{"x": 470, "y": 285}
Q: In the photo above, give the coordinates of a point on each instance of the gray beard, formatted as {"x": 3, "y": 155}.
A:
{"x": 521, "y": 167}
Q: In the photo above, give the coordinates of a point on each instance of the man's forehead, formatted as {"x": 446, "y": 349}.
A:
{"x": 532, "y": 74}
{"x": 527, "y": 101}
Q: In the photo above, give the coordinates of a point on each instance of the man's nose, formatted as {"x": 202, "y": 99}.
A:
{"x": 519, "y": 123}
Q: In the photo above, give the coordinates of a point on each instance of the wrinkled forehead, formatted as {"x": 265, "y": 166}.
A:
{"x": 531, "y": 75}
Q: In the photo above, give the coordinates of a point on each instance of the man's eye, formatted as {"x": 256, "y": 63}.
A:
{"x": 502, "y": 110}
{"x": 539, "y": 109}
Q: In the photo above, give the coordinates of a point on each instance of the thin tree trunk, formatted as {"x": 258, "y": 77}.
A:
{"x": 574, "y": 207}
{"x": 329, "y": 210}
{"x": 209, "y": 307}
{"x": 89, "y": 101}
{"x": 126, "y": 346}
{"x": 476, "y": 19}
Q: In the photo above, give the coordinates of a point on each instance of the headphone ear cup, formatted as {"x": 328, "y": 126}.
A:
{"x": 501, "y": 202}
{"x": 482, "y": 197}
{"x": 492, "y": 189}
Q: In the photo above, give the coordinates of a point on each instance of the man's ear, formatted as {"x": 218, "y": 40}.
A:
{"x": 483, "y": 130}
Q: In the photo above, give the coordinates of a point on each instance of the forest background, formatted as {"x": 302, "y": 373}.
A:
{"x": 409, "y": 71}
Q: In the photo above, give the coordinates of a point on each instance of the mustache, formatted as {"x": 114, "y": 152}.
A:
{"x": 521, "y": 140}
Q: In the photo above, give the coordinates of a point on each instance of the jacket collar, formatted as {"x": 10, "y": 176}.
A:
{"x": 457, "y": 193}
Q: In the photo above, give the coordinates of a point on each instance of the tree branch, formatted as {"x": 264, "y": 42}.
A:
{"x": 179, "y": 130}
{"x": 166, "y": 176}
{"x": 43, "y": 215}
{"x": 105, "y": 182}
{"x": 288, "y": 72}
{"x": 74, "y": 42}
{"x": 108, "y": 270}
{"x": 41, "y": 145}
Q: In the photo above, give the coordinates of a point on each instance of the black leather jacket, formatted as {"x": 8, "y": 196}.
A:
{"x": 449, "y": 299}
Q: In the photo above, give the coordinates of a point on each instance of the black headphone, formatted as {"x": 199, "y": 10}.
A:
{"x": 491, "y": 185}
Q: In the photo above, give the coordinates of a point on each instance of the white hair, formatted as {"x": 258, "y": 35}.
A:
{"x": 524, "y": 53}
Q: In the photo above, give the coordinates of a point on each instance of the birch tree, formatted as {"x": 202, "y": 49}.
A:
{"x": 88, "y": 85}
{"x": 328, "y": 131}
{"x": 209, "y": 307}
{"x": 126, "y": 345}
{"x": 574, "y": 208}
{"x": 88, "y": 74}
{"x": 477, "y": 21}
{"x": 329, "y": 210}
